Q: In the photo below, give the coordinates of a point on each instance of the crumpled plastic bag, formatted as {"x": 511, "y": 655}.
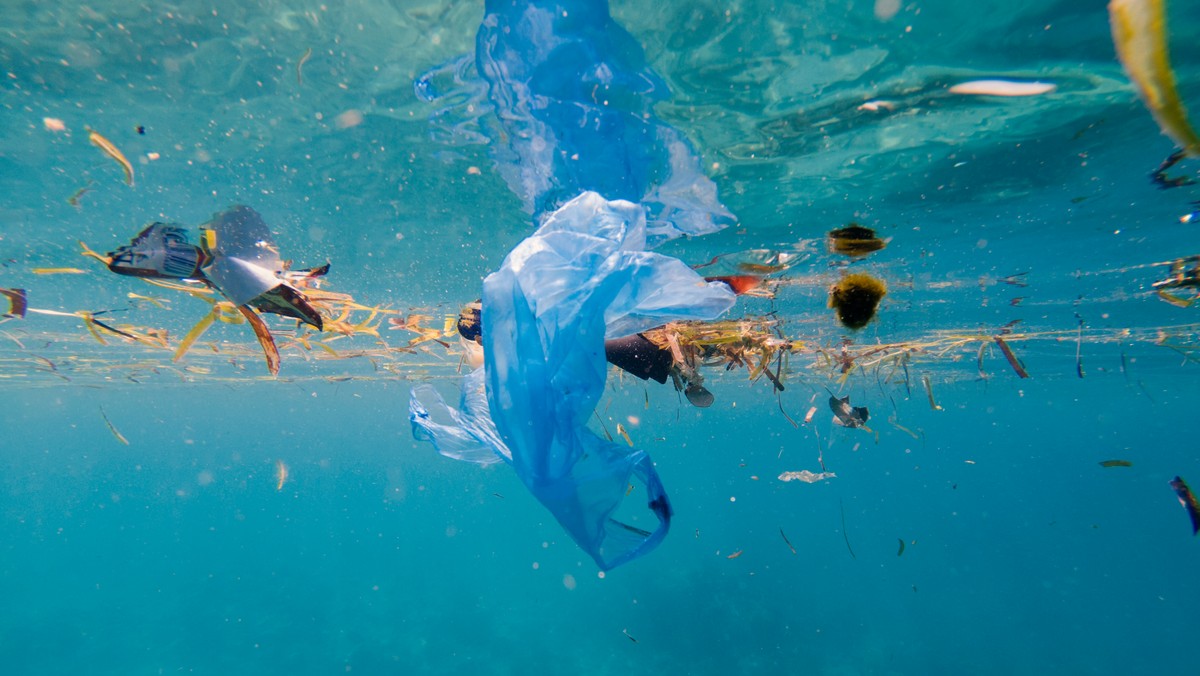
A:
{"x": 575, "y": 100}
{"x": 582, "y": 277}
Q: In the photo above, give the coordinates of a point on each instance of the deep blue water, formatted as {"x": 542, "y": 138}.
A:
{"x": 179, "y": 553}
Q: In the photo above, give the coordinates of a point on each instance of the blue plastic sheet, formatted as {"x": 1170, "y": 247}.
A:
{"x": 605, "y": 180}
{"x": 581, "y": 277}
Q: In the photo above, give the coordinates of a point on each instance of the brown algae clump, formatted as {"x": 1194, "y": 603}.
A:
{"x": 855, "y": 299}
{"x": 854, "y": 241}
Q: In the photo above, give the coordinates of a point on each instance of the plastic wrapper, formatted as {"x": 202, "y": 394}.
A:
{"x": 237, "y": 257}
{"x": 245, "y": 264}
{"x": 160, "y": 251}
{"x": 582, "y": 277}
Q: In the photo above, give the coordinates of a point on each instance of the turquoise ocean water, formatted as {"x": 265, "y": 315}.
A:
{"x": 182, "y": 551}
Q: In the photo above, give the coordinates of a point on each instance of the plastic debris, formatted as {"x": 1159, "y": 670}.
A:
{"x": 635, "y": 354}
{"x": 58, "y": 271}
{"x": 574, "y": 103}
{"x": 1139, "y": 31}
{"x": 581, "y": 278}
{"x": 786, "y": 541}
{"x": 281, "y": 474}
{"x": 113, "y": 152}
{"x": 575, "y": 98}
{"x": 807, "y": 477}
{"x": 675, "y": 351}
{"x": 747, "y": 272}
{"x": 113, "y": 428}
{"x": 17, "y": 302}
{"x": 463, "y": 433}
{"x": 244, "y": 265}
{"x": 1188, "y": 500}
{"x": 846, "y": 415}
{"x": 1182, "y": 288}
{"x": 750, "y": 342}
{"x": 237, "y": 257}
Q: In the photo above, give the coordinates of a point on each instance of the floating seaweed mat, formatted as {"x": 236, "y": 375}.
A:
{"x": 752, "y": 342}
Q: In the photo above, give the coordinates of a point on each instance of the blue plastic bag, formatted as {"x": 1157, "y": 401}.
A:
{"x": 582, "y": 276}
{"x": 574, "y": 102}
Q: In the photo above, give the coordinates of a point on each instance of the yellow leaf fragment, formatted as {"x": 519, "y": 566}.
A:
{"x": 1139, "y": 30}
{"x": 281, "y": 474}
{"x": 58, "y": 271}
{"x": 192, "y": 335}
{"x": 111, "y": 150}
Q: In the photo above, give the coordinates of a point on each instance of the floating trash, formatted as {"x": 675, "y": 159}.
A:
{"x": 113, "y": 152}
{"x": 1188, "y": 500}
{"x": 806, "y": 477}
{"x": 748, "y": 272}
{"x": 1139, "y": 30}
{"x": 846, "y": 415}
{"x": 540, "y": 349}
{"x": 237, "y": 260}
{"x": 1182, "y": 288}
{"x": 17, "y": 302}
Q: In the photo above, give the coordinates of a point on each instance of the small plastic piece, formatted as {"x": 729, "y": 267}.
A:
{"x": 245, "y": 262}
{"x": 160, "y": 251}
